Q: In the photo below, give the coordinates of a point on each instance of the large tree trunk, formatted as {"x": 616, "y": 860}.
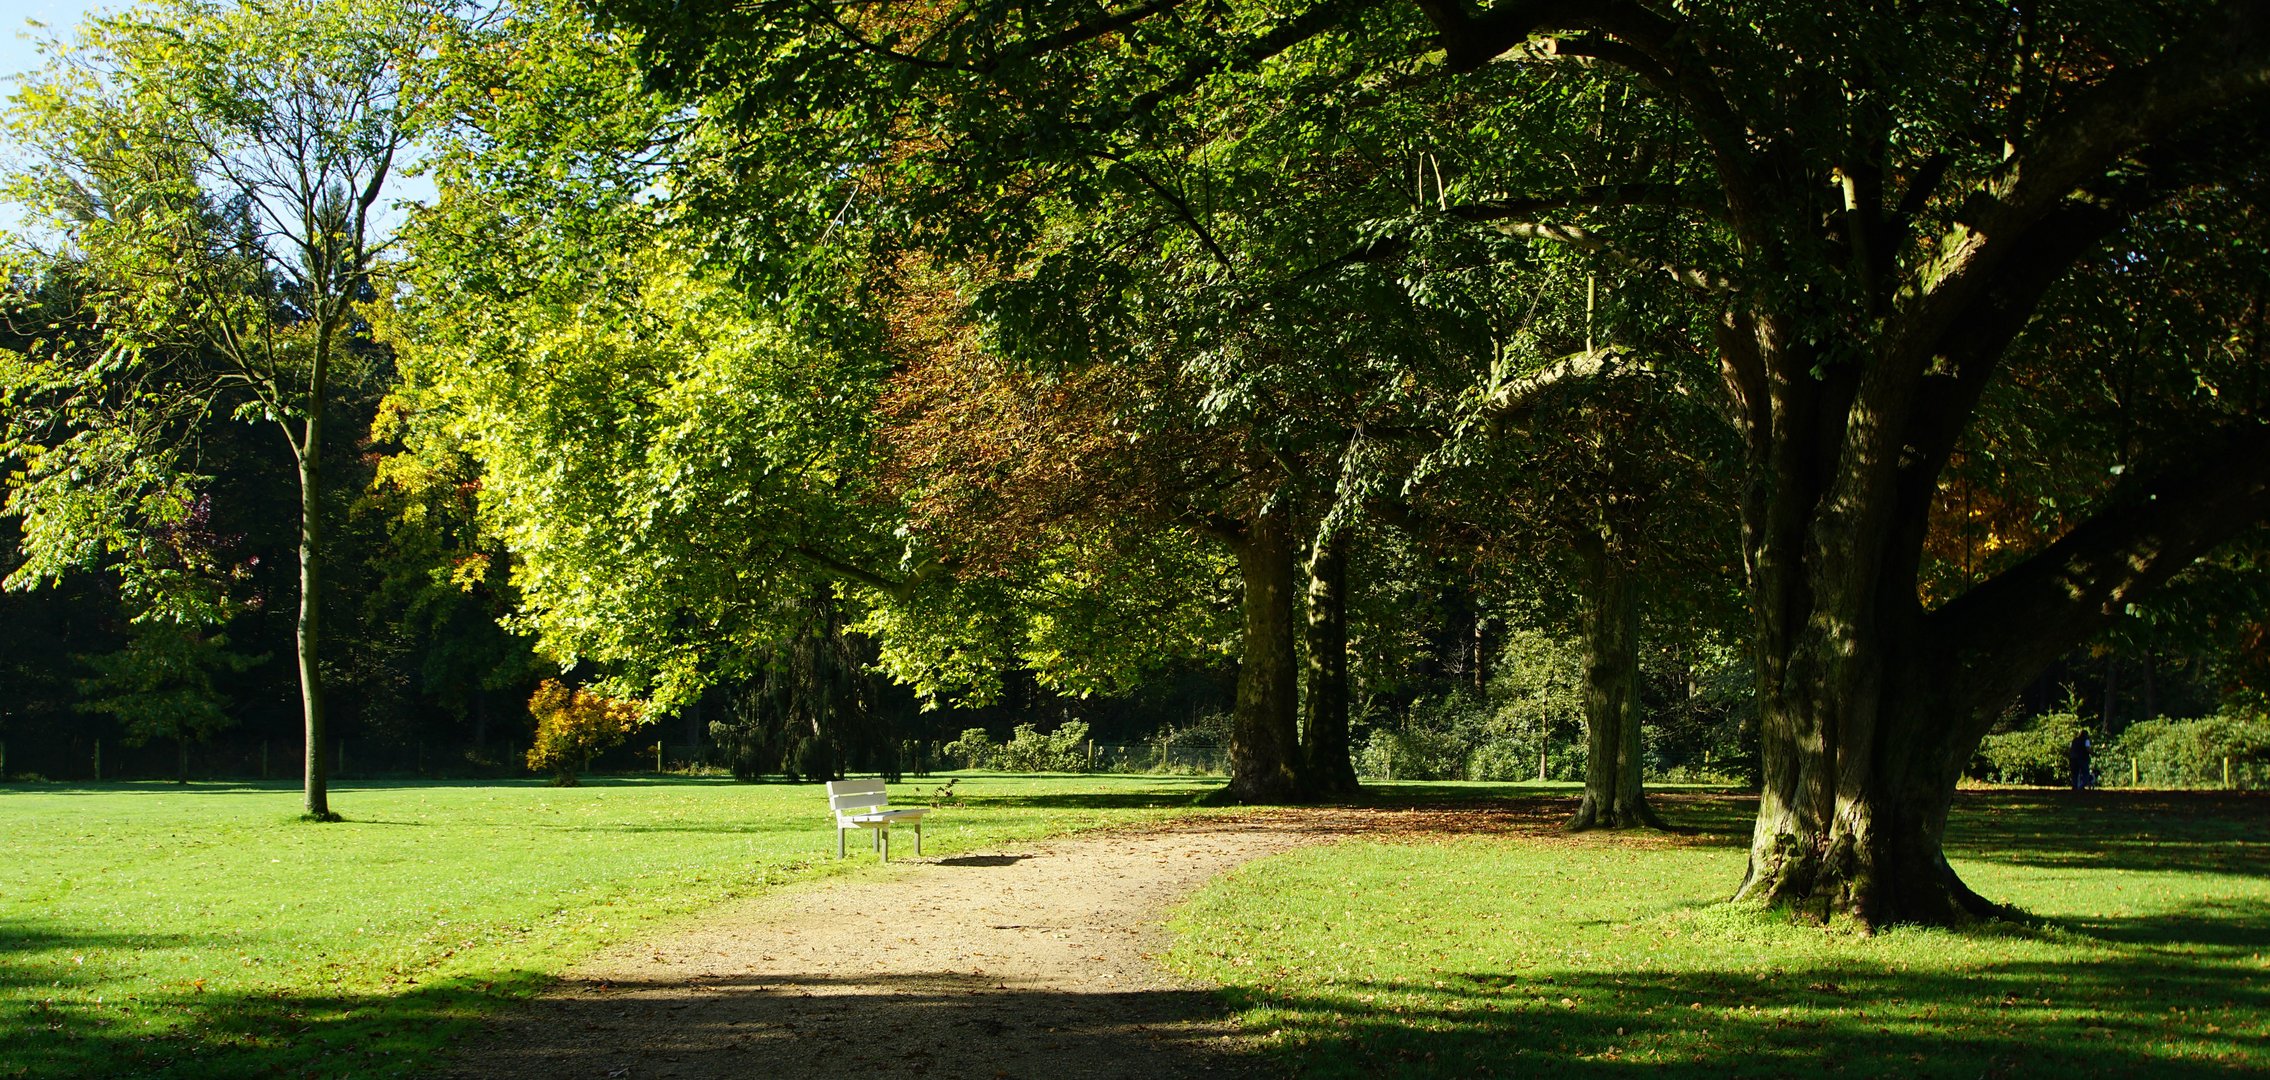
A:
{"x": 317, "y": 782}
{"x": 1857, "y": 785}
{"x": 1324, "y": 730}
{"x": 1869, "y": 704}
{"x": 1613, "y": 796}
{"x": 1265, "y": 751}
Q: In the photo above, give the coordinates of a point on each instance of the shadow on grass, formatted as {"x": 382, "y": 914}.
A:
{"x": 946, "y": 1024}
{"x": 2192, "y": 831}
{"x": 943, "y": 1024}
{"x": 20, "y": 940}
{"x": 2129, "y": 1018}
{"x": 221, "y": 1035}
{"x": 2234, "y": 927}
{"x": 2132, "y": 1017}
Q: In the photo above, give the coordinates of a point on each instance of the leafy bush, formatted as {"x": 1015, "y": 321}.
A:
{"x": 976, "y": 749}
{"x": 2189, "y": 753}
{"x": 1532, "y": 707}
{"x": 1028, "y": 750}
{"x": 2033, "y": 753}
{"x": 572, "y": 725}
{"x": 1502, "y": 759}
{"x": 1412, "y": 754}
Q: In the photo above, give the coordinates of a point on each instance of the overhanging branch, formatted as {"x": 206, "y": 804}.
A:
{"x": 2002, "y": 631}
{"x": 1586, "y": 240}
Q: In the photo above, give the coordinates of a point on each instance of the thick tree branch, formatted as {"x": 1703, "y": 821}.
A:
{"x": 1284, "y": 35}
{"x": 1470, "y": 40}
{"x": 1583, "y": 239}
{"x": 1595, "y": 198}
{"x": 897, "y": 587}
{"x": 1518, "y": 394}
{"x": 1656, "y": 48}
{"x": 2222, "y": 62}
{"x": 2002, "y": 631}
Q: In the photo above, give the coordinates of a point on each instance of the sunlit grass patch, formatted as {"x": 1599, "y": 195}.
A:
{"x": 1501, "y": 955}
{"x": 204, "y": 932}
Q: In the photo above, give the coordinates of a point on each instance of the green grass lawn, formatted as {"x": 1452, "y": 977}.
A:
{"x": 203, "y": 932}
{"x": 1535, "y": 954}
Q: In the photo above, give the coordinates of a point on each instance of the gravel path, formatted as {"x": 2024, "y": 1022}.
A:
{"x": 1029, "y": 962}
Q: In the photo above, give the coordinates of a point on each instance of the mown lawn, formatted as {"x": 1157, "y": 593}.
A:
{"x": 204, "y": 932}
{"x": 1516, "y": 954}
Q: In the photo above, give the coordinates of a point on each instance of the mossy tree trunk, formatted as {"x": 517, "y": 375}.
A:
{"x": 1324, "y": 727}
{"x": 1265, "y": 752}
{"x": 1613, "y": 794}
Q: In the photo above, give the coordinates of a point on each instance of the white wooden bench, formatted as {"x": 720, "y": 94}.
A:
{"x": 862, "y": 804}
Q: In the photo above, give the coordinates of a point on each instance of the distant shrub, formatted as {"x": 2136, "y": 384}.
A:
{"x": 1412, "y": 754}
{"x": 1501, "y": 759}
{"x": 1062, "y": 750}
{"x": 2033, "y": 753}
{"x": 976, "y": 749}
{"x": 1028, "y": 749}
{"x": 2189, "y": 753}
{"x": 573, "y": 725}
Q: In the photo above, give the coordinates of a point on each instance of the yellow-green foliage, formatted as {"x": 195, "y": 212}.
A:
{"x": 2168, "y": 752}
{"x": 572, "y": 725}
{"x": 2033, "y": 754}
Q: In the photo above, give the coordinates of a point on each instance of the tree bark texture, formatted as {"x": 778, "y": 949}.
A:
{"x": 1613, "y": 795}
{"x": 1870, "y": 705}
{"x": 1324, "y": 728}
{"x": 1265, "y": 750}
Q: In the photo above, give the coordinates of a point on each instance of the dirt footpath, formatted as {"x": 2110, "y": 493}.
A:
{"x": 1026, "y": 962}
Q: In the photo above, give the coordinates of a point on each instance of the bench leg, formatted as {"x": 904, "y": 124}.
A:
{"x": 918, "y": 838}
{"x": 839, "y": 842}
{"x": 883, "y": 843}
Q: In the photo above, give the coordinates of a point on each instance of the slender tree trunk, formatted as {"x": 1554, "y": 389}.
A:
{"x": 2111, "y": 689}
{"x": 2151, "y": 708}
{"x": 1265, "y": 751}
{"x": 318, "y": 786}
{"x": 1324, "y": 732}
{"x": 1613, "y": 796}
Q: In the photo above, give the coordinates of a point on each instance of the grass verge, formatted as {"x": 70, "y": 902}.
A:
{"x": 1531, "y": 953}
{"x": 203, "y": 931}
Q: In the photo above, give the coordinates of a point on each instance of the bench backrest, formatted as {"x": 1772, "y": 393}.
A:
{"x": 845, "y": 796}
